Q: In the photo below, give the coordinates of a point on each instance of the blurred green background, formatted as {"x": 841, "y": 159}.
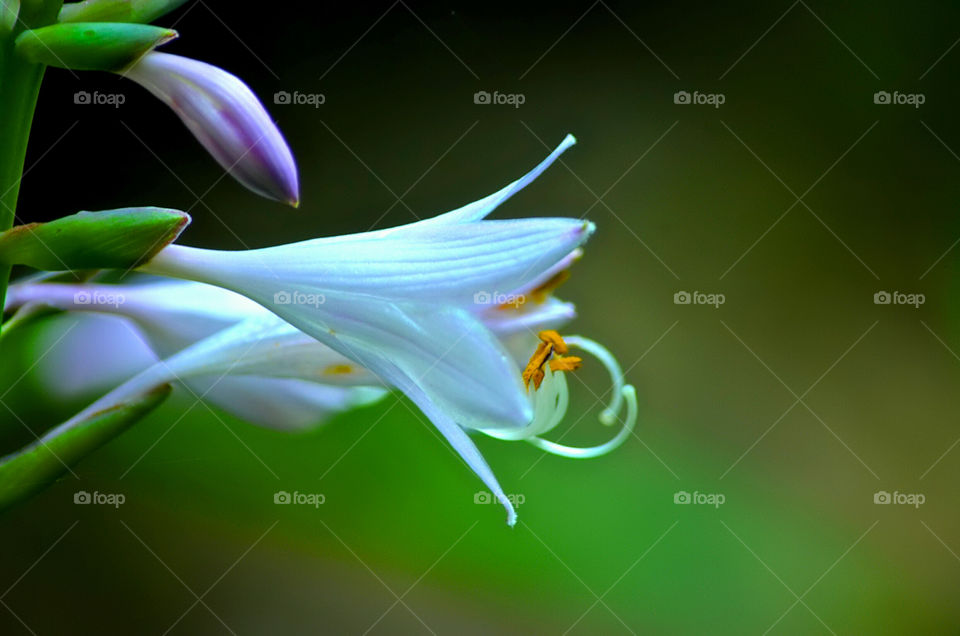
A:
{"x": 798, "y": 399}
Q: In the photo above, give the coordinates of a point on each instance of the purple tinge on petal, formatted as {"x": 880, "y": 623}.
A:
{"x": 227, "y": 118}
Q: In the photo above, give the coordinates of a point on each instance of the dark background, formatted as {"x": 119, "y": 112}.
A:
{"x": 690, "y": 198}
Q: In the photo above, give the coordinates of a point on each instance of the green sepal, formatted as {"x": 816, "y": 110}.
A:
{"x": 9, "y": 12}
{"x": 91, "y": 46}
{"x": 111, "y": 239}
{"x": 36, "y": 466}
{"x": 117, "y": 10}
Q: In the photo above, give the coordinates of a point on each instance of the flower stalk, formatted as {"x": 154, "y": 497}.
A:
{"x": 19, "y": 87}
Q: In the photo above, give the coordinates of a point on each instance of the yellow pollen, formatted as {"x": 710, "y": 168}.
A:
{"x": 566, "y": 363}
{"x": 550, "y": 343}
{"x": 540, "y": 293}
{"x": 554, "y": 339}
{"x": 543, "y": 291}
{"x": 338, "y": 369}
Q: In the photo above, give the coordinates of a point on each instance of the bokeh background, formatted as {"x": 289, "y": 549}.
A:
{"x": 798, "y": 399}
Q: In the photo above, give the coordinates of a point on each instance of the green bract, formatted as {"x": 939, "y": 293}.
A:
{"x": 9, "y": 12}
{"x": 91, "y": 46}
{"x": 36, "y": 466}
{"x": 110, "y": 239}
{"x": 117, "y": 10}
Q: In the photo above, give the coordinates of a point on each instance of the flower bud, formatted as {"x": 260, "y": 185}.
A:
{"x": 122, "y": 238}
{"x": 91, "y": 46}
{"x": 227, "y": 118}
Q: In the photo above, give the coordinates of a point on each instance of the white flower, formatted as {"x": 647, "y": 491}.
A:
{"x": 226, "y": 117}
{"x": 311, "y": 384}
{"x": 408, "y": 303}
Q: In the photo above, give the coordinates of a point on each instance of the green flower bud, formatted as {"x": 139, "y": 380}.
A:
{"x": 117, "y": 10}
{"x": 91, "y": 46}
{"x": 111, "y": 239}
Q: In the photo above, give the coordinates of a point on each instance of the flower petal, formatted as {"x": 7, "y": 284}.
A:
{"x": 287, "y": 404}
{"x": 480, "y": 209}
{"x": 442, "y": 263}
{"x": 457, "y": 438}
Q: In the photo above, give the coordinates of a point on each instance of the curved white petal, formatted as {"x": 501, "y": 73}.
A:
{"x": 529, "y": 318}
{"x": 480, "y": 209}
{"x": 287, "y": 404}
{"x": 172, "y": 314}
{"x": 455, "y": 435}
{"x": 443, "y": 263}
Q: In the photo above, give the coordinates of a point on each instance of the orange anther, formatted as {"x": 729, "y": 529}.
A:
{"x": 550, "y": 343}
{"x": 551, "y": 337}
{"x": 565, "y": 363}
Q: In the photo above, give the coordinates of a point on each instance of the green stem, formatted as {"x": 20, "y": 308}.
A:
{"x": 19, "y": 86}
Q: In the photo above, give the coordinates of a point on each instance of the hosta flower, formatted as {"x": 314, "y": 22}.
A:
{"x": 313, "y": 384}
{"x": 226, "y": 117}
{"x": 407, "y": 303}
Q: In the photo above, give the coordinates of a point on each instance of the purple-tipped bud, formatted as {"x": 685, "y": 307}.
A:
{"x": 227, "y": 118}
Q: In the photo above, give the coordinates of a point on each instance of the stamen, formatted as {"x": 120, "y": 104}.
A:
{"x": 566, "y": 363}
{"x": 534, "y": 369}
{"x": 553, "y": 338}
{"x": 550, "y": 342}
{"x": 608, "y": 416}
